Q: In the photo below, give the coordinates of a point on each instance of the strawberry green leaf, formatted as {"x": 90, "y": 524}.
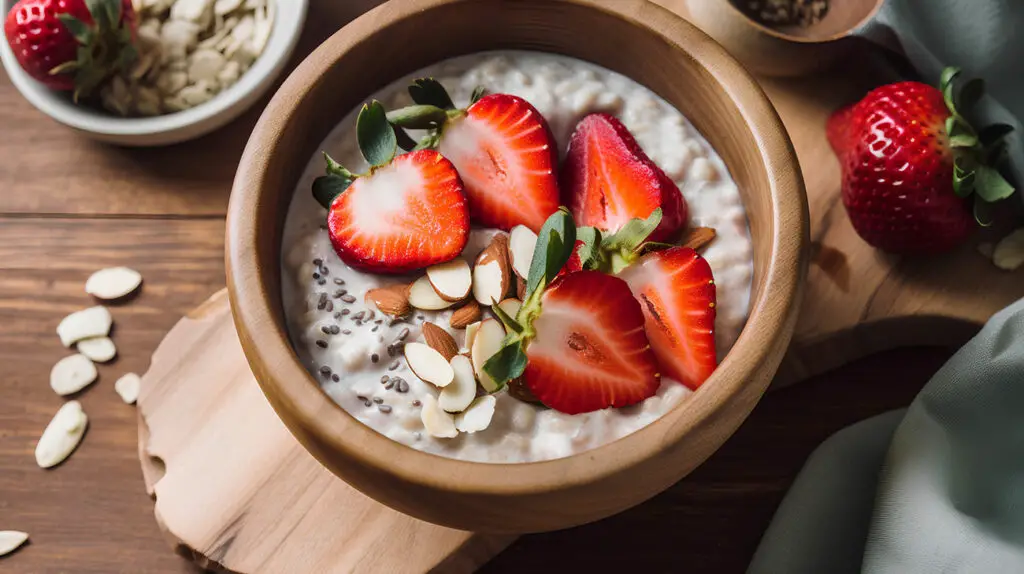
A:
{"x": 651, "y": 246}
{"x": 951, "y": 125}
{"x": 430, "y": 92}
{"x": 511, "y": 325}
{"x": 100, "y": 13}
{"x": 963, "y": 180}
{"x": 947, "y": 76}
{"x": 429, "y": 141}
{"x": 970, "y": 94}
{"x": 418, "y": 117}
{"x": 405, "y": 141}
{"x": 963, "y": 140}
{"x": 78, "y": 29}
{"x": 327, "y": 187}
{"x": 508, "y": 363}
{"x": 983, "y": 212}
{"x": 555, "y": 241}
{"x": 335, "y": 168}
{"x": 633, "y": 234}
{"x": 478, "y": 92}
{"x": 990, "y": 185}
{"x": 377, "y": 140}
{"x": 590, "y": 252}
{"x": 993, "y": 133}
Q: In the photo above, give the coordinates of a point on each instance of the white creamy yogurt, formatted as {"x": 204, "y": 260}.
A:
{"x": 563, "y": 90}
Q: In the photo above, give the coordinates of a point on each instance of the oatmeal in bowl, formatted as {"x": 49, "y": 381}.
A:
{"x": 516, "y": 267}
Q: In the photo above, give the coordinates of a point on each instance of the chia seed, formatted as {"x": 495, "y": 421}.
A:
{"x": 339, "y": 281}
{"x": 329, "y": 307}
{"x": 316, "y": 275}
{"x": 325, "y": 370}
{"x": 389, "y": 385}
{"x": 378, "y": 400}
{"x": 420, "y": 318}
{"x": 374, "y": 329}
{"x": 338, "y": 315}
{"x": 321, "y": 281}
{"x": 335, "y": 377}
{"x": 394, "y": 365}
{"x": 384, "y": 379}
{"x": 335, "y": 329}
{"x": 403, "y": 334}
{"x": 318, "y": 262}
{"x": 339, "y": 293}
{"x": 369, "y": 316}
{"x": 378, "y": 321}
{"x": 348, "y": 298}
{"x": 346, "y": 331}
{"x": 374, "y": 358}
{"x": 345, "y": 311}
{"x": 358, "y": 316}
{"x": 321, "y": 343}
{"x": 362, "y": 398}
{"x": 386, "y": 409}
{"x": 416, "y": 403}
{"x": 403, "y": 386}
{"x": 325, "y": 330}
{"x": 325, "y": 271}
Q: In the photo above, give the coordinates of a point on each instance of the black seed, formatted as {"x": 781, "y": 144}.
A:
{"x": 321, "y": 281}
{"x": 403, "y": 334}
{"x": 394, "y": 365}
{"x": 346, "y": 331}
{"x": 420, "y": 317}
{"x": 329, "y": 307}
{"x": 318, "y": 262}
{"x": 374, "y": 357}
{"x": 416, "y": 403}
{"x": 384, "y": 408}
{"x": 348, "y": 298}
{"x": 389, "y": 385}
{"x": 335, "y": 329}
{"x": 316, "y": 275}
{"x": 378, "y": 400}
{"x": 369, "y": 315}
{"x": 361, "y": 397}
{"x": 325, "y": 329}
{"x": 325, "y": 370}
{"x": 403, "y": 386}
{"x": 378, "y": 321}
{"x": 374, "y": 329}
{"x": 367, "y": 403}
{"x": 339, "y": 281}
{"x": 335, "y": 377}
{"x": 391, "y": 350}
{"x": 323, "y": 226}
{"x": 345, "y": 311}
{"x": 384, "y": 379}
{"x": 359, "y": 316}
{"x": 338, "y": 315}
{"x": 325, "y": 271}
{"x": 321, "y": 343}
{"x": 339, "y": 293}
{"x": 380, "y": 338}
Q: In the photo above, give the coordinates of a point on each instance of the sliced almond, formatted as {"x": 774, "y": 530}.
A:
{"x": 468, "y": 313}
{"x": 521, "y": 288}
{"x": 517, "y": 389}
{"x": 457, "y": 396}
{"x": 437, "y": 422}
{"x": 486, "y": 343}
{"x": 439, "y": 340}
{"x": 113, "y": 283}
{"x": 511, "y": 306}
{"x": 477, "y": 416}
{"x": 391, "y": 300}
{"x": 492, "y": 275}
{"x": 452, "y": 280}
{"x": 127, "y": 387}
{"x": 62, "y": 435}
{"x": 11, "y": 540}
{"x": 72, "y": 374}
{"x": 98, "y": 349}
{"x": 423, "y": 296}
{"x": 428, "y": 364}
{"x": 1009, "y": 252}
{"x": 521, "y": 243}
{"x": 697, "y": 238}
{"x": 471, "y": 331}
{"x": 84, "y": 324}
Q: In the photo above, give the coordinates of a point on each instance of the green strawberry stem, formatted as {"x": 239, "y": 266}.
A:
{"x": 975, "y": 154}
{"x": 378, "y": 143}
{"x": 104, "y": 49}
{"x": 433, "y": 111}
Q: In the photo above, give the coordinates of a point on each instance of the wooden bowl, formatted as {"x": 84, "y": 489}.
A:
{"x": 634, "y": 37}
{"x": 791, "y": 50}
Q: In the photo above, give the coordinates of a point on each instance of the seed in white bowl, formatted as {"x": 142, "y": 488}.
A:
{"x": 436, "y": 422}
{"x": 72, "y": 374}
{"x": 422, "y": 296}
{"x": 127, "y": 387}
{"x": 460, "y": 393}
{"x": 521, "y": 243}
{"x": 477, "y": 416}
{"x": 11, "y": 540}
{"x": 452, "y": 280}
{"x": 62, "y": 435}
{"x": 84, "y": 324}
{"x": 428, "y": 364}
{"x": 98, "y": 349}
{"x": 486, "y": 343}
{"x": 204, "y": 65}
{"x": 113, "y": 282}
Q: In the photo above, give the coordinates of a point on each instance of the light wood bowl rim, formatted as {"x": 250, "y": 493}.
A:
{"x": 726, "y": 398}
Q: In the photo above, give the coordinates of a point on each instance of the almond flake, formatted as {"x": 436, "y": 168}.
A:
{"x": 521, "y": 243}
{"x": 511, "y": 306}
{"x": 1009, "y": 253}
{"x": 437, "y": 422}
{"x": 97, "y": 349}
{"x": 84, "y": 324}
{"x": 128, "y": 387}
{"x": 452, "y": 280}
{"x": 468, "y": 313}
{"x": 477, "y": 416}
{"x": 423, "y": 296}
{"x": 204, "y": 65}
{"x": 697, "y": 238}
{"x": 113, "y": 283}
{"x": 457, "y": 396}
{"x": 225, "y": 7}
{"x": 492, "y": 274}
{"x": 11, "y": 540}
{"x": 428, "y": 364}
{"x": 391, "y": 300}
{"x": 62, "y": 435}
{"x": 486, "y": 342}
{"x": 440, "y": 340}
{"x": 72, "y": 374}
{"x": 471, "y": 331}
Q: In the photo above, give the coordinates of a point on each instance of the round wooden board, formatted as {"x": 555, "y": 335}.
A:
{"x": 237, "y": 493}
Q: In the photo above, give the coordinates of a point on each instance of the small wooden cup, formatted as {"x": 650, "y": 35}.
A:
{"x": 634, "y": 37}
{"x": 791, "y": 50}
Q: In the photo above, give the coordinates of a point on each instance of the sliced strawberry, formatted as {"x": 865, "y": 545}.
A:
{"x": 574, "y": 263}
{"x": 590, "y": 350}
{"x": 403, "y": 216}
{"x": 607, "y": 180}
{"x": 677, "y": 292}
{"x": 506, "y": 157}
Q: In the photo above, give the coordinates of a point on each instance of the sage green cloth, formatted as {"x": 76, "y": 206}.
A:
{"x": 937, "y": 488}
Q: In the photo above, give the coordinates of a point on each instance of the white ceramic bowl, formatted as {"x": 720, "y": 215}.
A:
{"x": 179, "y": 126}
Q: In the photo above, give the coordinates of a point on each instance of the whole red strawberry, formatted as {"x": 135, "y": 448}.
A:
{"x": 66, "y": 47}
{"x": 910, "y": 162}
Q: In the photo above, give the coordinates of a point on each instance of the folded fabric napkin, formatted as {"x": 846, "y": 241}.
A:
{"x": 938, "y": 487}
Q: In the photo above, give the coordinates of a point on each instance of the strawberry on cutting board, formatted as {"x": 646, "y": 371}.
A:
{"x": 916, "y": 176}
{"x": 405, "y": 213}
{"x": 67, "y": 46}
{"x": 676, "y": 291}
{"x": 607, "y": 180}
{"x": 500, "y": 145}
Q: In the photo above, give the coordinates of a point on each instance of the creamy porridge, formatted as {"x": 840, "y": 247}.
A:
{"x": 354, "y": 350}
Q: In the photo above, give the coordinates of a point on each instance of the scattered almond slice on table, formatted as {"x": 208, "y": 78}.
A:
{"x": 62, "y": 435}
{"x": 1009, "y": 252}
{"x": 127, "y": 387}
{"x": 11, "y": 540}
{"x": 72, "y": 374}
{"x": 98, "y": 349}
{"x": 113, "y": 283}
{"x": 428, "y": 364}
{"x": 84, "y": 324}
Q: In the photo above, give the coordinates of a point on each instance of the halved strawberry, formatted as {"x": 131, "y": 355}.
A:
{"x": 677, "y": 293}
{"x": 406, "y": 215}
{"x": 607, "y": 180}
{"x": 589, "y": 350}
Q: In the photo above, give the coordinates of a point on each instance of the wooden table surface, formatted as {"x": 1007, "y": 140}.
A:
{"x": 69, "y": 206}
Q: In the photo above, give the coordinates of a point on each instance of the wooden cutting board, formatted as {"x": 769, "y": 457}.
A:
{"x": 236, "y": 492}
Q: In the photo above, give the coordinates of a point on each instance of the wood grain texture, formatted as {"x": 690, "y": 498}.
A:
{"x": 233, "y": 485}
{"x": 658, "y": 50}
